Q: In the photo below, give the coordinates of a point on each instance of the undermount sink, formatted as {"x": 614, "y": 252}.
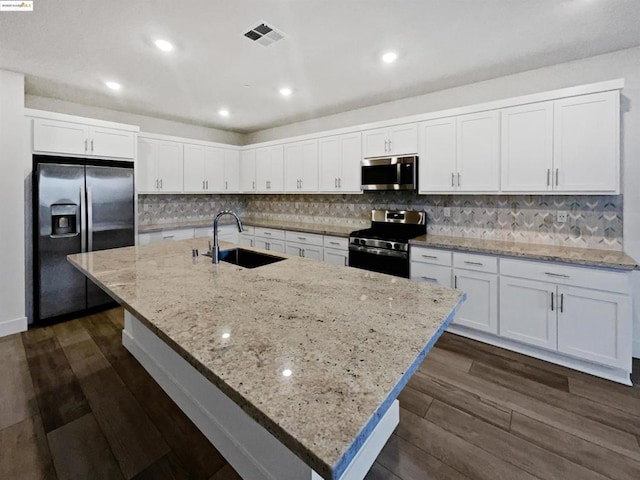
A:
{"x": 247, "y": 258}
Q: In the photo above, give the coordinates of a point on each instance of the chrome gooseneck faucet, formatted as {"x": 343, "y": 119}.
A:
{"x": 216, "y": 249}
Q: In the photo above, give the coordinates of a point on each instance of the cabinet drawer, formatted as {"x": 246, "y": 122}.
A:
{"x": 479, "y": 263}
{"x": 566, "y": 275}
{"x": 429, "y": 273}
{"x": 177, "y": 234}
{"x": 431, "y": 255}
{"x": 304, "y": 238}
{"x": 269, "y": 233}
{"x": 340, "y": 243}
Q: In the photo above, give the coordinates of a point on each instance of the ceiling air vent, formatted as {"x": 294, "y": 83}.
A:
{"x": 264, "y": 35}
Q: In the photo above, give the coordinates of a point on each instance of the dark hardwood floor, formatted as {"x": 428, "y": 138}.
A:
{"x": 74, "y": 404}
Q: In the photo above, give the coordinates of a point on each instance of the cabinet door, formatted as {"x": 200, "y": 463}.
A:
{"x": 429, "y": 273}
{"x": 110, "y": 142}
{"x": 276, "y": 167}
{"x": 527, "y": 148}
{"x": 214, "y": 169}
{"x": 478, "y": 156}
{"x": 586, "y": 143}
{"x": 350, "y": 158}
{"x": 270, "y": 244}
{"x": 54, "y": 136}
{"x": 595, "y": 326}
{"x": 246, "y": 240}
{"x": 294, "y": 249}
{"x": 232, "y": 171}
{"x": 293, "y": 166}
{"x": 248, "y": 171}
{"x": 375, "y": 143}
{"x": 336, "y": 257}
{"x": 313, "y": 252}
{"x": 170, "y": 166}
{"x": 330, "y": 159}
{"x": 146, "y": 166}
{"x": 525, "y": 312}
{"x": 264, "y": 179}
{"x": 437, "y": 156}
{"x": 301, "y": 166}
{"x": 480, "y": 311}
{"x": 403, "y": 139}
{"x": 194, "y": 177}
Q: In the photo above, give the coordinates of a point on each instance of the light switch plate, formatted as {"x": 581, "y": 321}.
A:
{"x": 562, "y": 216}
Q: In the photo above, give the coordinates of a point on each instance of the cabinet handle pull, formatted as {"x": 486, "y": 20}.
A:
{"x": 266, "y": 244}
{"x": 480, "y": 264}
{"x": 339, "y": 182}
{"x": 203, "y": 184}
{"x": 562, "y": 303}
{"x": 207, "y": 184}
{"x": 160, "y": 184}
{"x": 301, "y": 238}
{"x": 429, "y": 256}
{"x": 226, "y": 185}
{"x": 335, "y": 182}
{"x": 557, "y": 171}
{"x": 430, "y": 279}
{"x": 389, "y": 144}
{"x": 85, "y": 145}
{"x": 453, "y": 176}
{"x": 548, "y": 176}
{"x": 458, "y": 179}
{"x": 455, "y": 281}
{"x": 558, "y": 275}
{"x": 334, "y": 243}
{"x": 91, "y": 145}
{"x": 552, "y": 301}
{"x": 345, "y": 261}
{"x": 157, "y": 184}
{"x": 267, "y": 233}
{"x": 385, "y": 145}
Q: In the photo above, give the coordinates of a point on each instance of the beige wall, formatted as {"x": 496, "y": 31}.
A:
{"x": 146, "y": 124}
{"x": 12, "y": 155}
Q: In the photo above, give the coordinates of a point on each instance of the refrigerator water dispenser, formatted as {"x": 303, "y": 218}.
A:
{"x": 63, "y": 220}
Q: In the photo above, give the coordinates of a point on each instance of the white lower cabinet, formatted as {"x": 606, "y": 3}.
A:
{"x": 270, "y": 244}
{"x": 578, "y": 311}
{"x": 526, "y": 313}
{"x": 430, "y": 273}
{"x": 336, "y": 250}
{"x": 480, "y": 311}
{"x": 306, "y": 251}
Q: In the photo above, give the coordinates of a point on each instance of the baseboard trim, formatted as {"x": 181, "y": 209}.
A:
{"x": 16, "y": 325}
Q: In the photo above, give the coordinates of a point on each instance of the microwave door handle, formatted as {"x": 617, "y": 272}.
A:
{"x": 398, "y": 172}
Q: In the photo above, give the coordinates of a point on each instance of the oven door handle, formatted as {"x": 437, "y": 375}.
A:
{"x": 379, "y": 251}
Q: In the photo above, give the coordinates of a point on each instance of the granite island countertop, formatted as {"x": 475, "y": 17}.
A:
{"x": 352, "y": 338}
{"x": 554, "y": 253}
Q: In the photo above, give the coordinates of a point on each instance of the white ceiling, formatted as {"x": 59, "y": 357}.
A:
{"x": 330, "y": 56}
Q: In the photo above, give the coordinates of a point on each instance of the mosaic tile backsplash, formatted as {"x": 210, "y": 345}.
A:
{"x": 593, "y": 221}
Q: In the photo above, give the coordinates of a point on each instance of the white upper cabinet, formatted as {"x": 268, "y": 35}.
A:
{"x": 70, "y": 138}
{"x": 248, "y": 171}
{"x": 568, "y": 145}
{"x": 478, "y": 152}
{"x": 194, "y": 169}
{"x": 270, "y": 169}
{"x": 231, "y": 171}
{"x": 527, "y": 148}
{"x": 586, "y": 143}
{"x": 437, "y": 156}
{"x": 339, "y": 158}
{"x": 301, "y": 167}
{"x": 213, "y": 173}
{"x": 396, "y": 140}
{"x": 160, "y": 166}
{"x": 460, "y": 154}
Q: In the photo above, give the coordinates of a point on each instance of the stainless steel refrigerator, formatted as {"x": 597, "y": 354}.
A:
{"x": 80, "y": 207}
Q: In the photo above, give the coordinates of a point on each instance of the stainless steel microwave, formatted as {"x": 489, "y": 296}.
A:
{"x": 393, "y": 173}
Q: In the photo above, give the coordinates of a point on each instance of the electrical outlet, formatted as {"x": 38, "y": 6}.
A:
{"x": 447, "y": 212}
{"x": 562, "y": 216}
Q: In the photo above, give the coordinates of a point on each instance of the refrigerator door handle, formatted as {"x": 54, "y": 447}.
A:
{"x": 89, "y": 221}
{"x": 83, "y": 221}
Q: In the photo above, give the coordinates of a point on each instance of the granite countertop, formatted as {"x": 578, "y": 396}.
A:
{"x": 578, "y": 256}
{"x": 352, "y": 338}
{"x": 306, "y": 227}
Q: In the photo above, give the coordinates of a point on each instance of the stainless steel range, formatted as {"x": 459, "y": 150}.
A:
{"x": 385, "y": 246}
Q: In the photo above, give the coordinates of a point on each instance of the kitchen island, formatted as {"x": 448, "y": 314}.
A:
{"x": 291, "y": 369}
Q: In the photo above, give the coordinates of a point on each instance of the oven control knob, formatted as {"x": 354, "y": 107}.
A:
{"x": 389, "y": 245}
{"x": 363, "y": 242}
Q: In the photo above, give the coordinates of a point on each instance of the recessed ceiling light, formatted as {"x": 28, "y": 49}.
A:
{"x": 389, "y": 57}
{"x": 285, "y": 91}
{"x": 223, "y": 112}
{"x": 164, "y": 45}
{"x": 113, "y": 85}
{"x": 286, "y": 373}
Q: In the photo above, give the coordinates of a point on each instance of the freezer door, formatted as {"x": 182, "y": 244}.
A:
{"x": 110, "y": 216}
{"x": 61, "y": 288}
